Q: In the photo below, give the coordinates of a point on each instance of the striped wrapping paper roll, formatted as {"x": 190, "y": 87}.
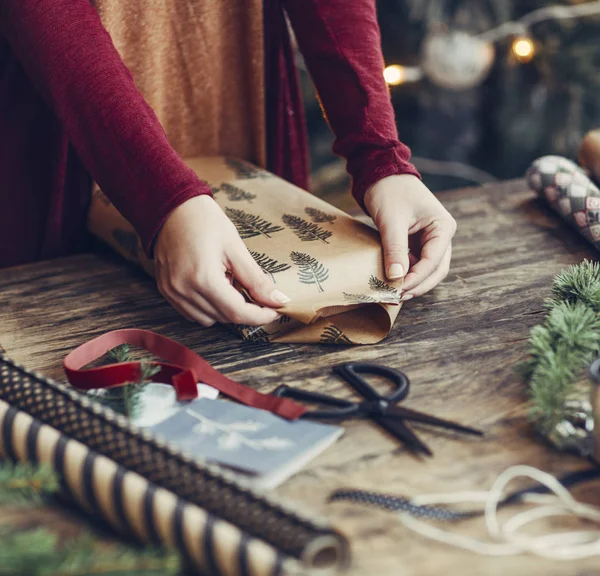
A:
{"x": 133, "y": 505}
{"x": 289, "y": 531}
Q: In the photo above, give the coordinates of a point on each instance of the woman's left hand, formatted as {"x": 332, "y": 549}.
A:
{"x": 416, "y": 231}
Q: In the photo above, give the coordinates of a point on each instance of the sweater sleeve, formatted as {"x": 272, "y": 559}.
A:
{"x": 70, "y": 57}
{"x": 341, "y": 44}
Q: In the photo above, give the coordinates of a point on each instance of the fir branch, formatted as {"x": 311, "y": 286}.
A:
{"x": 235, "y": 194}
{"x": 269, "y": 266}
{"x": 244, "y": 170}
{"x": 319, "y": 216}
{"x": 121, "y": 353}
{"x": 253, "y": 333}
{"x": 380, "y": 286}
{"x": 37, "y": 552}
{"x": 579, "y": 283}
{"x": 250, "y": 225}
{"x": 311, "y": 271}
{"x": 306, "y": 231}
{"x": 25, "y": 484}
{"x": 359, "y": 298}
{"x": 564, "y": 345}
{"x": 333, "y": 335}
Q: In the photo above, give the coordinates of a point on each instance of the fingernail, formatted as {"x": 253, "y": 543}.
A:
{"x": 395, "y": 271}
{"x": 279, "y": 297}
{"x": 406, "y": 297}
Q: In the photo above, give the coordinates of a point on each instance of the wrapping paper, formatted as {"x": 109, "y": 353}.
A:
{"x": 134, "y": 506}
{"x": 328, "y": 263}
{"x": 216, "y": 494}
{"x": 570, "y": 192}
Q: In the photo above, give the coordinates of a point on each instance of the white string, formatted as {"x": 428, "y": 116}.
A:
{"x": 508, "y": 539}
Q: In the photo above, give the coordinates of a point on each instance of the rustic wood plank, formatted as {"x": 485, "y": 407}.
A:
{"x": 459, "y": 345}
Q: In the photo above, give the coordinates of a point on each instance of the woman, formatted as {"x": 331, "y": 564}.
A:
{"x": 219, "y": 75}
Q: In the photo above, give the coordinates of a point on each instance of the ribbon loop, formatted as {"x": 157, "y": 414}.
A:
{"x": 182, "y": 369}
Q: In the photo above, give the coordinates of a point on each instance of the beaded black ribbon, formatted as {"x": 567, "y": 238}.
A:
{"x": 400, "y": 504}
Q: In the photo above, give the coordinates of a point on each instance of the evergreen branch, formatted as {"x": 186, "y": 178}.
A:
{"x": 250, "y": 225}
{"x": 580, "y": 283}
{"x": 564, "y": 345}
{"x": 319, "y": 216}
{"x": 380, "y": 286}
{"x": 253, "y": 333}
{"x": 235, "y": 194}
{"x": 121, "y": 353}
{"x": 244, "y": 170}
{"x": 306, "y": 231}
{"x": 310, "y": 270}
{"x": 333, "y": 335}
{"x": 37, "y": 552}
{"x": 359, "y": 298}
{"x": 269, "y": 266}
{"x": 25, "y": 484}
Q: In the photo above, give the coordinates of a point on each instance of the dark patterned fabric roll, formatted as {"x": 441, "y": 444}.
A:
{"x": 216, "y": 491}
{"x": 135, "y": 507}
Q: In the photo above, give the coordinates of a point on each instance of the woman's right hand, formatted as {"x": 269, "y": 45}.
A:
{"x": 197, "y": 251}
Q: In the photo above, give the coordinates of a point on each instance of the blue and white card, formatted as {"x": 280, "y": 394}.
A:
{"x": 253, "y": 441}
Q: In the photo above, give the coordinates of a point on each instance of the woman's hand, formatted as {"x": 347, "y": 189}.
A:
{"x": 196, "y": 253}
{"x": 409, "y": 216}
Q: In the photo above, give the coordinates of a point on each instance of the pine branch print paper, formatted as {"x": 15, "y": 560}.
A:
{"x": 310, "y": 270}
{"x": 249, "y": 225}
{"x": 306, "y": 231}
{"x": 329, "y": 264}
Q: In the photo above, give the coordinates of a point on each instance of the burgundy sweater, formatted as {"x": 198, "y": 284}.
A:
{"x": 70, "y": 112}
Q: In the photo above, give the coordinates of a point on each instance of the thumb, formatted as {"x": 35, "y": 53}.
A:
{"x": 394, "y": 237}
{"x": 252, "y": 278}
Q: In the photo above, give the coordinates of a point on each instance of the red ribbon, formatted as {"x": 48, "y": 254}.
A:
{"x": 183, "y": 370}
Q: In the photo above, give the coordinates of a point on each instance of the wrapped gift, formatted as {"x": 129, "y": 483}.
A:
{"x": 328, "y": 263}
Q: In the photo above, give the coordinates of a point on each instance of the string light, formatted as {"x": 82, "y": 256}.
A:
{"x": 394, "y": 74}
{"x": 523, "y": 49}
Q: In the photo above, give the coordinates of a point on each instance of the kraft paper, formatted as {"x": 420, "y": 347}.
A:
{"x": 328, "y": 263}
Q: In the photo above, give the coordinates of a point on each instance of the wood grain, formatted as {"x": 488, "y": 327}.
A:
{"x": 459, "y": 345}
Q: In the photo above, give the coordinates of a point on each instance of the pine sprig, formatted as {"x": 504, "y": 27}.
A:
{"x": 38, "y": 552}
{"x": 310, "y": 270}
{"x": 250, "y": 225}
{"x": 269, "y": 266}
{"x": 319, "y": 216}
{"x": 333, "y": 335}
{"x": 580, "y": 283}
{"x": 380, "y": 286}
{"x": 235, "y": 194}
{"x": 306, "y": 231}
{"x": 24, "y": 484}
{"x": 359, "y": 298}
{"x": 564, "y": 345}
{"x": 245, "y": 170}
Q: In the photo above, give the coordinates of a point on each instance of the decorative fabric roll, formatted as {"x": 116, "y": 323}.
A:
{"x": 328, "y": 263}
{"x": 570, "y": 192}
{"x": 134, "y": 506}
{"x": 218, "y": 492}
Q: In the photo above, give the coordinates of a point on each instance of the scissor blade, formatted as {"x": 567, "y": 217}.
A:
{"x": 401, "y": 412}
{"x": 403, "y": 433}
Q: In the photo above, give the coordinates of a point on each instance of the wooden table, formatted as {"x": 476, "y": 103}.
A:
{"x": 459, "y": 344}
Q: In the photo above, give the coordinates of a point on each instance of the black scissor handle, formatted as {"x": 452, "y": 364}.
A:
{"x": 351, "y": 372}
{"x": 342, "y": 408}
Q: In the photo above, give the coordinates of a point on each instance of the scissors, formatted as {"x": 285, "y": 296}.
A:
{"x": 382, "y": 409}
